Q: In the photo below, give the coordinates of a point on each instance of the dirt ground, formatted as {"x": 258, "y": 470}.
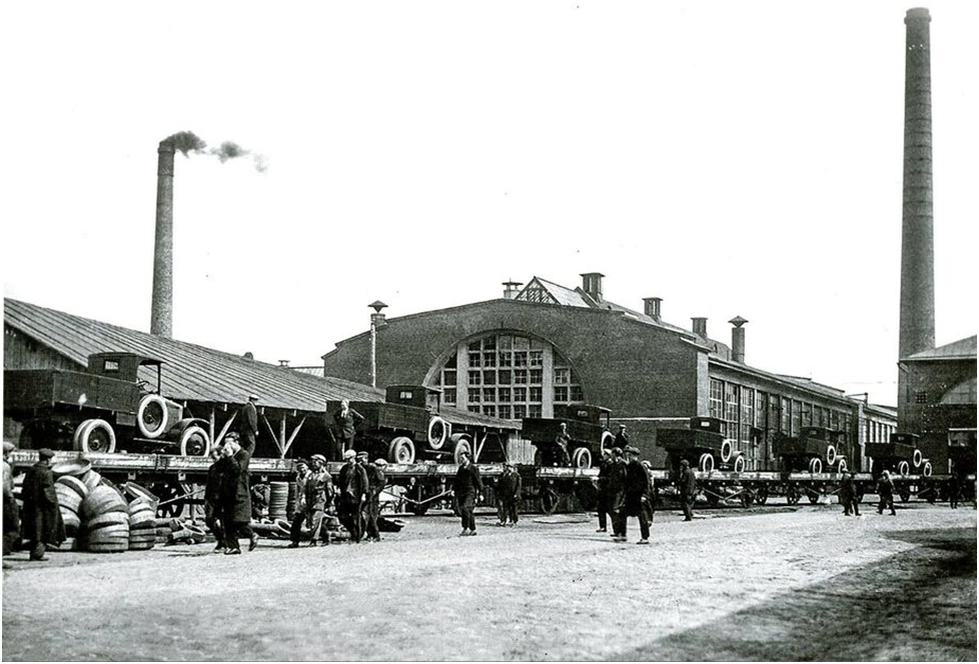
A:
{"x": 802, "y": 583}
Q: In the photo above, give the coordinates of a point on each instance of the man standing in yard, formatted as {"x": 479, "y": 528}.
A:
{"x": 11, "y": 513}
{"x": 638, "y": 496}
{"x": 616, "y": 493}
{"x": 688, "y": 489}
{"x": 605, "y": 467}
{"x": 372, "y": 506}
{"x": 508, "y": 495}
{"x": 885, "y": 493}
{"x": 317, "y": 492}
{"x": 42, "y": 522}
{"x": 848, "y": 495}
{"x": 561, "y": 443}
{"x": 212, "y": 497}
{"x": 468, "y": 488}
{"x": 236, "y": 513}
{"x": 352, "y": 485}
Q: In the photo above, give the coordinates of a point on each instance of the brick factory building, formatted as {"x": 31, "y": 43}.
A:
{"x": 547, "y": 344}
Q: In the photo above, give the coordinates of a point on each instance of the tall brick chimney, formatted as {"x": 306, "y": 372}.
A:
{"x": 652, "y": 307}
{"x": 737, "y": 339}
{"x": 917, "y": 246}
{"x": 591, "y": 283}
{"x": 161, "y": 314}
{"x": 700, "y": 327}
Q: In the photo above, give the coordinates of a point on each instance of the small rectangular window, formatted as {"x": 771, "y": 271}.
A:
{"x": 489, "y": 394}
{"x": 450, "y": 396}
{"x": 520, "y": 394}
{"x": 474, "y": 359}
{"x": 474, "y": 395}
{"x": 504, "y": 394}
{"x": 520, "y": 376}
{"x": 489, "y": 378}
{"x": 110, "y": 366}
{"x": 519, "y": 412}
{"x": 489, "y": 410}
{"x": 475, "y": 377}
{"x": 561, "y": 393}
{"x": 505, "y": 377}
{"x": 505, "y": 412}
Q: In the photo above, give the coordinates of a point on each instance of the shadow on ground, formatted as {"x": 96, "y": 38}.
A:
{"x": 919, "y": 605}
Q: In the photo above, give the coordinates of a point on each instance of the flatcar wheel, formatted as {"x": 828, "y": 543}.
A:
{"x": 548, "y": 501}
{"x": 905, "y": 494}
{"x": 813, "y": 497}
{"x": 747, "y": 497}
{"x": 761, "y": 495}
{"x": 171, "y": 505}
{"x": 792, "y": 495}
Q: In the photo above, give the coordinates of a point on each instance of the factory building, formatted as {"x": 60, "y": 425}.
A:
{"x": 546, "y": 345}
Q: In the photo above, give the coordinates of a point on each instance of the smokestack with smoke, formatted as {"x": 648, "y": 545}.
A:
{"x": 186, "y": 142}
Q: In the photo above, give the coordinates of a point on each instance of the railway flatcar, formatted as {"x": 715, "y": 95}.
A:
{"x": 703, "y": 445}
{"x": 105, "y": 407}
{"x": 587, "y": 427}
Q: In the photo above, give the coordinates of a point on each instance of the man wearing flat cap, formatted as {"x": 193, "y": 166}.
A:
{"x": 616, "y": 494}
{"x": 352, "y": 487}
{"x": 42, "y": 524}
{"x": 688, "y": 489}
{"x": 508, "y": 495}
{"x": 317, "y": 493}
{"x": 248, "y": 424}
{"x": 468, "y": 489}
{"x": 376, "y": 480}
{"x": 638, "y": 494}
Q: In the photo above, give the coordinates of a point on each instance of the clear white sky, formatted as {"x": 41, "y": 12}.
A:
{"x": 733, "y": 158}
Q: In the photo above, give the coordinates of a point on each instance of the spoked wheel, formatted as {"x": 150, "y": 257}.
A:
{"x": 548, "y": 501}
{"x": 172, "y": 500}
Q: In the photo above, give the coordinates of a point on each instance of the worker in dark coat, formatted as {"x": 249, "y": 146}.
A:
{"x": 236, "y": 503}
{"x": 561, "y": 442}
{"x": 605, "y": 467}
{"x": 11, "y": 512}
{"x": 848, "y": 495}
{"x": 345, "y": 422}
{"x": 638, "y": 496}
{"x": 954, "y": 487}
{"x": 616, "y": 494}
{"x": 688, "y": 489}
{"x": 213, "y": 497}
{"x": 41, "y": 523}
{"x": 317, "y": 493}
{"x": 621, "y": 438}
{"x": 508, "y": 495}
{"x": 372, "y": 504}
{"x": 468, "y": 489}
{"x": 885, "y": 492}
{"x": 352, "y": 488}
{"x": 248, "y": 424}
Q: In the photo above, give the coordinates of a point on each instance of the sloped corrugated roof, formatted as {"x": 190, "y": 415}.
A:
{"x": 963, "y": 349}
{"x": 566, "y": 296}
{"x": 190, "y": 372}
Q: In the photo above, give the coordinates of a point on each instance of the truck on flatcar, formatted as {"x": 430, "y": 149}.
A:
{"x": 587, "y": 427}
{"x": 900, "y": 455}
{"x": 703, "y": 444}
{"x": 815, "y": 449}
{"x": 411, "y": 423}
{"x": 97, "y": 410}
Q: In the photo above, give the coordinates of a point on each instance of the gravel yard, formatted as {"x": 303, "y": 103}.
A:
{"x": 769, "y": 584}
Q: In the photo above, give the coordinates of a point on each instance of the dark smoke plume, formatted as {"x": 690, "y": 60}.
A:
{"x": 186, "y": 141}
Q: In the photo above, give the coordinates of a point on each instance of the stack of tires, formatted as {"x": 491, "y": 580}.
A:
{"x": 278, "y": 500}
{"x": 142, "y": 525}
{"x": 105, "y": 515}
{"x": 71, "y": 490}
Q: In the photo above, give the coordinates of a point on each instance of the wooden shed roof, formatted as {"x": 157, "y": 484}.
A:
{"x": 190, "y": 372}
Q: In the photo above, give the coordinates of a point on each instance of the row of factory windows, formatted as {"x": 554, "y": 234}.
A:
{"x": 507, "y": 376}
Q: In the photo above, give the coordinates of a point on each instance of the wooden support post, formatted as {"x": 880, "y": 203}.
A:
{"x": 293, "y": 436}
{"x": 271, "y": 431}
{"x": 224, "y": 429}
{"x": 282, "y": 436}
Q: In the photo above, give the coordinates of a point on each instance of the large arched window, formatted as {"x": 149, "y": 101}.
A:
{"x": 963, "y": 393}
{"x": 507, "y": 375}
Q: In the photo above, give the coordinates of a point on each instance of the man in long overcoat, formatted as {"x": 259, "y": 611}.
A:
{"x": 508, "y": 495}
{"x": 41, "y": 523}
{"x": 638, "y": 496}
{"x": 468, "y": 486}
{"x": 248, "y": 423}
{"x": 604, "y": 468}
{"x": 352, "y": 488}
{"x": 237, "y": 499}
{"x": 885, "y": 491}
{"x": 376, "y": 480}
{"x": 213, "y": 496}
{"x": 688, "y": 489}
{"x": 11, "y": 512}
{"x": 616, "y": 494}
{"x": 848, "y": 495}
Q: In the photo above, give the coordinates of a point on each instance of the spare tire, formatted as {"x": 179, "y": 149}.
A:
{"x": 727, "y": 449}
{"x": 438, "y": 432}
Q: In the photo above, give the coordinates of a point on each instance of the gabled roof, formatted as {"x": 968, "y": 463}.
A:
{"x": 190, "y": 372}
{"x": 963, "y": 349}
{"x": 553, "y": 293}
